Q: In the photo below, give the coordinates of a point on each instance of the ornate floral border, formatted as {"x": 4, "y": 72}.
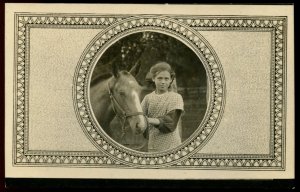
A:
{"x": 23, "y": 157}
{"x": 216, "y": 86}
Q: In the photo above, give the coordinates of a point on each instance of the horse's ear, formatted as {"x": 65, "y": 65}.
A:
{"x": 115, "y": 70}
{"x": 135, "y": 69}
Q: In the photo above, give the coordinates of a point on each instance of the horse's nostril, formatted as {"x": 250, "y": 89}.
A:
{"x": 138, "y": 124}
{"x": 141, "y": 124}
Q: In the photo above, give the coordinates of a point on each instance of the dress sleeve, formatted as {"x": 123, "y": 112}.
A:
{"x": 175, "y": 102}
{"x": 168, "y": 122}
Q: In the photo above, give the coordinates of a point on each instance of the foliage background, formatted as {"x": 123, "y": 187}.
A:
{"x": 148, "y": 48}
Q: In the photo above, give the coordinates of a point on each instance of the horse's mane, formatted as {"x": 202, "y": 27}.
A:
{"x": 124, "y": 72}
{"x": 100, "y": 78}
{"x": 103, "y": 77}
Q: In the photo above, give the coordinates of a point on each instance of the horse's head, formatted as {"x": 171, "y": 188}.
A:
{"x": 125, "y": 94}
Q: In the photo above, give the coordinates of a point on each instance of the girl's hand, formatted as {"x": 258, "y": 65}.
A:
{"x": 153, "y": 121}
{"x": 140, "y": 130}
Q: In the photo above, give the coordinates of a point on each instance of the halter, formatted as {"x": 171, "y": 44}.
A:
{"x": 124, "y": 115}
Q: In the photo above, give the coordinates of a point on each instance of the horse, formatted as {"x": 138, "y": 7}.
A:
{"x": 118, "y": 96}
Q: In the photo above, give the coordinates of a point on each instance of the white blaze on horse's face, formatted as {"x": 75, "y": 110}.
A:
{"x": 128, "y": 91}
{"x": 141, "y": 125}
{"x": 134, "y": 104}
{"x": 136, "y": 99}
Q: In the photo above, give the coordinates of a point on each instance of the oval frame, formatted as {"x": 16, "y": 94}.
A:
{"x": 216, "y": 91}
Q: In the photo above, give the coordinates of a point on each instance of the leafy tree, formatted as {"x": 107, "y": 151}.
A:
{"x": 149, "y": 48}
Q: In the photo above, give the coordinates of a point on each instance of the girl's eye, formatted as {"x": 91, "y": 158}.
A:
{"x": 122, "y": 93}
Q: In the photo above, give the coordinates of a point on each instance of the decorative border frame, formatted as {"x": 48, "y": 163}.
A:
{"x": 82, "y": 83}
{"x": 23, "y": 157}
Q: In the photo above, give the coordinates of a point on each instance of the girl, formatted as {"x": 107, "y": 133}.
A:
{"x": 163, "y": 109}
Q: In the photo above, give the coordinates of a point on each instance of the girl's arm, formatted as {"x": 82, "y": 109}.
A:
{"x": 167, "y": 123}
{"x": 153, "y": 121}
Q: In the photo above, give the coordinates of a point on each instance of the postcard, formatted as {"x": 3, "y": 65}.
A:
{"x": 158, "y": 91}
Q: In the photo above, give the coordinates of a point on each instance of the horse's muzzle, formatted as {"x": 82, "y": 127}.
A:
{"x": 138, "y": 124}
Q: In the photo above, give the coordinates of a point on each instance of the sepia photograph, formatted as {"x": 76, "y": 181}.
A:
{"x": 157, "y": 65}
{"x": 135, "y": 91}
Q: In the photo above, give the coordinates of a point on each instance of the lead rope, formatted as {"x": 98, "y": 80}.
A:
{"x": 124, "y": 117}
{"x": 115, "y": 111}
{"x": 123, "y": 129}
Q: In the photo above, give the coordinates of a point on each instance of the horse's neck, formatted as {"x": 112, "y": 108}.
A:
{"x": 101, "y": 104}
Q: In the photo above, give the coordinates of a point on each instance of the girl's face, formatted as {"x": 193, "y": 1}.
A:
{"x": 162, "y": 81}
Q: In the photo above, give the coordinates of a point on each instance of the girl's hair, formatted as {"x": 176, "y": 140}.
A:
{"x": 161, "y": 66}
